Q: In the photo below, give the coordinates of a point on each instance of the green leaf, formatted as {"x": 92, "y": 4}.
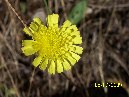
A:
{"x": 23, "y": 7}
{"x": 9, "y": 92}
{"x": 77, "y": 13}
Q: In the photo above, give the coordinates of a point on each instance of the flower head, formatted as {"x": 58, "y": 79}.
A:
{"x": 56, "y": 48}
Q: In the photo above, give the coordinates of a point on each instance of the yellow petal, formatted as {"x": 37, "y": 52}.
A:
{"x": 75, "y": 33}
{"x": 66, "y": 65}
{"x": 66, "y": 24}
{"x": 27, "y": 42}
{"x": 51, "y": 69}
{"x": 27, "y": 31}
{"x": 28, "y": 50}
{"x": 76, "y": 49}
{"x": 37, "y": 61}
{"x": 75, "y": 56}
{"x": 71, "y": 60}
{"x": 37, "y": 20}
{"x": 72, "y": 28}
{"x": 52, "y": 20}
{"x": 59, "y": 66}
{"x": 44, "y": 64}
{"x": 33, "y": 27}
{"x": 77, "y": 40}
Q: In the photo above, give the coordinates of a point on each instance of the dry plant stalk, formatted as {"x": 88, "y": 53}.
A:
{"x": 13, "y": 9}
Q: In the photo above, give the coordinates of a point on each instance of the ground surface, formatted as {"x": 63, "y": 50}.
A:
{"x": 105, "y": 32}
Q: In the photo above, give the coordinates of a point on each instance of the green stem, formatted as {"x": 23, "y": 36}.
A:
{"x": 47, "y": 7}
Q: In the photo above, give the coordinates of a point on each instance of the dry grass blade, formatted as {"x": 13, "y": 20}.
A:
{"x": 11, "y": 78}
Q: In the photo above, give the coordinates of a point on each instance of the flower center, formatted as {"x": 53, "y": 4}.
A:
{"x": 50, "y": 44}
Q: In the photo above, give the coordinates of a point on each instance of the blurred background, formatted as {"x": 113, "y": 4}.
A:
{"x": 104, "y": 27}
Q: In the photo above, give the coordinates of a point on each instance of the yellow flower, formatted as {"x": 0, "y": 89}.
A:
{"x": 56, "y": 47}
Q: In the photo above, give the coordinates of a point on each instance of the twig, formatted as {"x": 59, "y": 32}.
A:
{"x": 63, "y": 5}
{"x": 9, "y": 4}
{"x": 31, "y": 80}
{"x": 117, "y": 58}
{"x": 81, "y": 82}
{"x": 56, "y": 6}
{"x": 47, "y": 8}
{"x": 108, "y": 7}
{"x": 69, "y": 79}
{"x": 100, "y": 55}
{"x": 11, "y": 78}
